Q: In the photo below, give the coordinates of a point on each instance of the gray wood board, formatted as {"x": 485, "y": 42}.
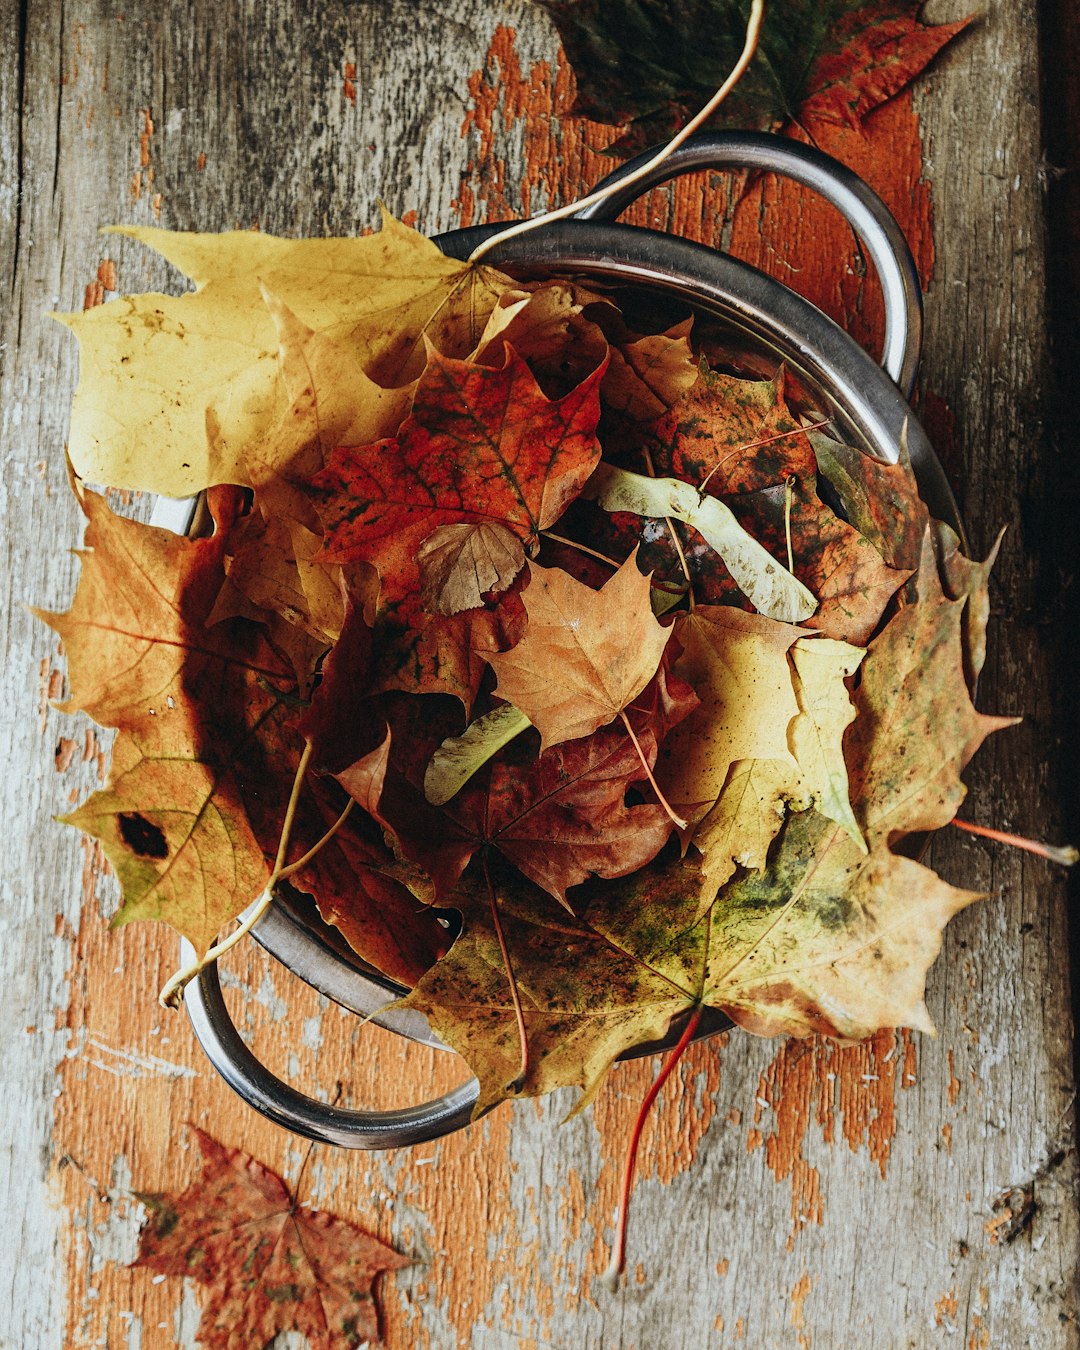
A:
{"x": 902, "y": 1260}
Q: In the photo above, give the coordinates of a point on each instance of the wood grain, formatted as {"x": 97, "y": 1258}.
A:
{"x": 793, "y": 1195}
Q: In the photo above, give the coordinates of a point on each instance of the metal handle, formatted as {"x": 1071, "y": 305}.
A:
{"x": 253, "y": 1081}
{"x": 861, "y": 207}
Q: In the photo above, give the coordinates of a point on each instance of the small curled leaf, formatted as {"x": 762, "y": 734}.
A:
{"x": 460, "y": 563}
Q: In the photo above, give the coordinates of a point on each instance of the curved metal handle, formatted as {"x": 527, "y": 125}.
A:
{"x": 282, "y": 1104}
{"x": 861, "y": 207}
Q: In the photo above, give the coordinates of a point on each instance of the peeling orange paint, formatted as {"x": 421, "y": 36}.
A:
{"x": 798, "y": 1320}
{"x": 105, "y": 281}
{"x": 979, "y": 1335}
{"x": 817, "y": 1081}
{"x": 908, "y": 1077}
{"x": 50, "y": 687}
{"x": 945, "y": 1307}
{"x": 348, "y": 87}
{"x": 806, "y": 1206}
{"x": 954, "y": 1082}
{"x": 946, "y": 1134}
{"x": 94, "y": 753}
{"x": 145, "y": 136}
{"x": 65, "y": 753}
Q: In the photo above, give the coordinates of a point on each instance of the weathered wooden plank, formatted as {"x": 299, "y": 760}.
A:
{"x": 839, "y": 1196}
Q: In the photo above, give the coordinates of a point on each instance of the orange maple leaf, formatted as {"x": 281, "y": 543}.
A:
{"x": 270, "y": 1265}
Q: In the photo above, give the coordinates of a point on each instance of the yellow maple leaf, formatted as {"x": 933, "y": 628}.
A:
{"x": 156, "y": 368}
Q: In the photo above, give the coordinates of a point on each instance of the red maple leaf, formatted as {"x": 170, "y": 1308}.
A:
{"x": 559, "y": 817}
{"x": 729, "y": 435}
{"x": 269, "y": 1264}
{"x": 480, "y": 446}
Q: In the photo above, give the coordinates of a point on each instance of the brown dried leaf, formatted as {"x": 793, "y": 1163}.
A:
{"x": 460, "y": 563}
{"x": 585, "y": 655}
{"x": 268, "y": 1264}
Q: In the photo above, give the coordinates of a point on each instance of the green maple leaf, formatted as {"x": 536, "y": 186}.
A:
{"x": 652, "y": 63}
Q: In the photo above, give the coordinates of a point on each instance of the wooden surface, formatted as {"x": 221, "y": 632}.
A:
{"x": 791, "y": 1195}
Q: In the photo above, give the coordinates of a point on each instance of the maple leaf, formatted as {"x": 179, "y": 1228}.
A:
{"x": 836, "y": 562}
{"x": 547, "y": 325}
{"x": 820, "y": 669}
{"x": 737, "y": 663}
{"x": 418, "y": 652}
{"x": 559, "y": 818}
{"x": 648, "y": 375}
{"x": 731, "y": 435}
{"x": 155, "y": 368}
{"x": 269, "y": 1264}
{"x": 564, "y": 818}
{"x": 740, "y": 826}
{"x": 184, "y": 696}
{"x": 912, "y": 696}
{"x": 272, "y": 561}
{"x": 328, "y": 400}
{"x": 584, "y": 1000}
{"x": 880, "y": 500}
{"x": 585, "y": 655}
{"x": 963, "y": 579}
{"x": 652, "y": 63}
{"x": 825, "y": 939}
{"x": 481, "y": 446}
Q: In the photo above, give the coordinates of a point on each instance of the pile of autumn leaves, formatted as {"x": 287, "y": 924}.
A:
{"x": 612, "y": 652}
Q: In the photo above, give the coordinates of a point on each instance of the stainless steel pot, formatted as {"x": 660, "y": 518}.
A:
{"x": 868, "y": 406}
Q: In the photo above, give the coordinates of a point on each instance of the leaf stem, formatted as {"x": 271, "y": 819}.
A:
{"x": 753, "y": 29}
{"x": 617, "y": 1264}
{"x": 173, "y": 989}
{"x": 316, "y": 848}
{"x": 788, "y": 487}
{"x": 677, "y": 821}
{"x": 1066, "y": 855}
{"x": 517, "y": 1083}
{"x": 581, "y": 548}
